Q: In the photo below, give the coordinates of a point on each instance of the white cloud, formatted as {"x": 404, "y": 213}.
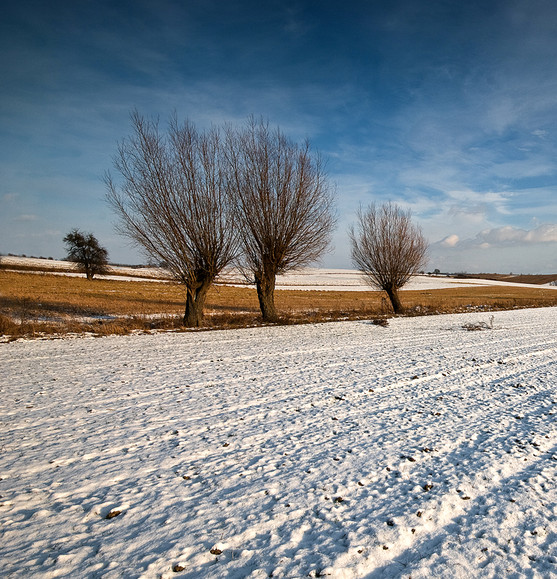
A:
{"x": 511, "y": 235}
{"x": 450, "y": 241}
{"x": 543, "y": 234}
{"x": 503, "y": 237}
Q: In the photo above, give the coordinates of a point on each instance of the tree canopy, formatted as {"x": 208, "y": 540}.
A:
{"x": 85, "y": 250}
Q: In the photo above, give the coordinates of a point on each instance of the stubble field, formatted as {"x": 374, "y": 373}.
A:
{"x": 34, "y": 304}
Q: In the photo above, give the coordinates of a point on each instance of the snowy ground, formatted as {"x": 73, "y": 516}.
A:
{"x": 59, "y": 267}
{"x": 341, "y": 449}
{"x": 352, "y": 280}
{"x": 304, "y": 279}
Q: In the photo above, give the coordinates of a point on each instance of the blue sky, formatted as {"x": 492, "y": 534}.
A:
{"x": 448, "y": 108}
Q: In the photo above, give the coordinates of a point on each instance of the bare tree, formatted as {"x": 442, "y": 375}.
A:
{"x": 283, "y": 205}
{"x": 173, "y": 202}
{"x": 387, "y": 248}
{"x": 85, "y": 250}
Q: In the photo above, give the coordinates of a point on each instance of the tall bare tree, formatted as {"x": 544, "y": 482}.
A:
{"x": 283, "y": 205}
{"x": 387, "y": 248}
{"x": 85, "y": 251}
{"x": 172, "y": 201}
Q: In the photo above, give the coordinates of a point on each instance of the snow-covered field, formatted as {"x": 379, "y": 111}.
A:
{"x": 352, "y": 280}
{"x": 59, "y": 267}
{"x": 341, "y": 449}
{"x": 310, "y": 278}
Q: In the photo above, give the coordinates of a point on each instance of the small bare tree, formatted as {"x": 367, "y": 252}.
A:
{"x": 85, "y": 251}
{"x": 387, "y": 248}
{"x": 173, "y": 203}
{"x": 283, "y": 205}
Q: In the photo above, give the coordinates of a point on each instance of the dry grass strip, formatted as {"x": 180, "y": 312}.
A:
{"x": 34, "y": 304}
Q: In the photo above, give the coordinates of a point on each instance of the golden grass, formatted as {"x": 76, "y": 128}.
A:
{"x": 78, "y": 296}
{"x": 32, "y": 304}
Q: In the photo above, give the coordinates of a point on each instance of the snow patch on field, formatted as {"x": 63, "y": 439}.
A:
{"x": 343, "y": 449}
{"x": 352, "y": 280}
{"x": 303, "y": 279}
{"x": 60, "y": 267}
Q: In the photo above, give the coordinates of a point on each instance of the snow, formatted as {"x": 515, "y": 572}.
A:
{"x": 352, "y": 280}
{"x": 303, "y": 279}
{"x": 59, "y": 267}
{"x": 342, "y": 449}
{"x": 39, "y": 262}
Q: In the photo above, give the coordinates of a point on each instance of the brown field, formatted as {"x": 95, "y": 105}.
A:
{"x": 39, "y": 304}
{"x": 539, "y": 279}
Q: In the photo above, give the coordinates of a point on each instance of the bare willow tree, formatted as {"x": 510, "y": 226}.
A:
{"x": 172, "y": 201}
{"x": 283, "y": 205}
{"x": 387, "y": 248}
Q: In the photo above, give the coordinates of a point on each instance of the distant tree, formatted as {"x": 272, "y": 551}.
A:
{"x": 283, "y": 205}
{"x": 84, "y": 250}
{"x": 173, "y": 202}
{"x": 387, "y": 248}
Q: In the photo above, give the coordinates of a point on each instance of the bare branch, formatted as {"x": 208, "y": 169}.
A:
{"x": 387, "y": 248}
{"x": 283, "y": 204}
{"x": 173, "y": 202}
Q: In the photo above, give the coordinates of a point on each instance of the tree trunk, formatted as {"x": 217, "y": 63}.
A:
{"x": 395, "y": 301}
{"x": 266, "y": 294}
{"x": 195, "y": 302}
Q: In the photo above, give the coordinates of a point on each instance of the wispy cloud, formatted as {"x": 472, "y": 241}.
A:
{"x": 26, "y": 217}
